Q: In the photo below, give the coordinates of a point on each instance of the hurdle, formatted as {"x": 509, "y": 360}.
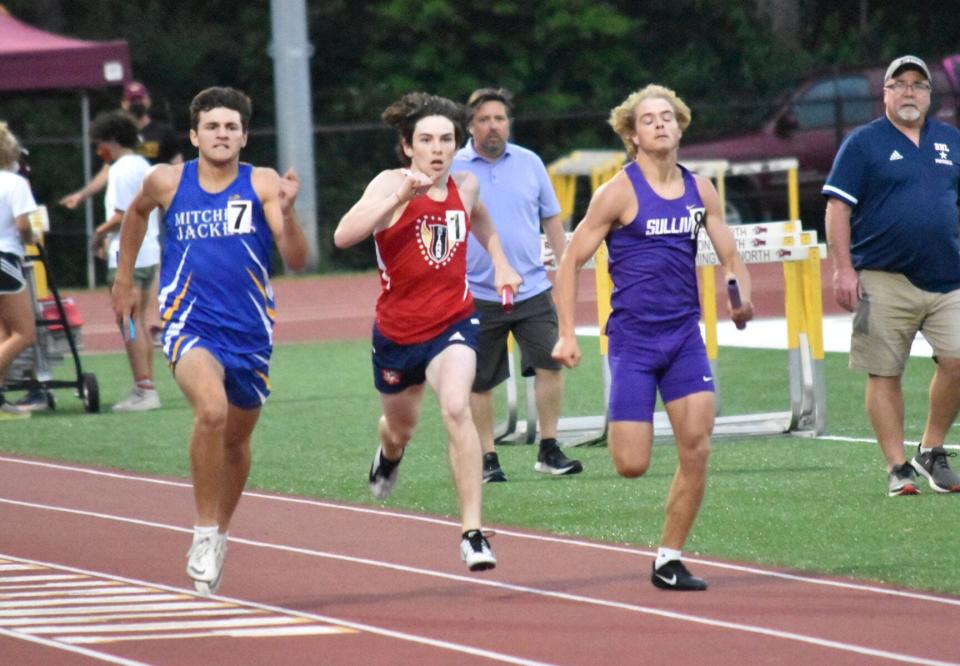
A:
{"x": 770, "y": 242}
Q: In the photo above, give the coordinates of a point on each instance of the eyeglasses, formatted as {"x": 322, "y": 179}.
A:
{"x": 900, "y": 86}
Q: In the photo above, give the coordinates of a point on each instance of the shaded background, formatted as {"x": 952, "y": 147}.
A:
{"x": 568, "y": 62}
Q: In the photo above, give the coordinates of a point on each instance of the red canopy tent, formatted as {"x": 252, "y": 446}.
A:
{"x": 34, "y": 60}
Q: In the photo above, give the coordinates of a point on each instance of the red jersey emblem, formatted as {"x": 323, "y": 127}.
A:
{"x": 436, "y": 244}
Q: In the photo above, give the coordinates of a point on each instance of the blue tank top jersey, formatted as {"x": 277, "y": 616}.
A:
{"x": 215, "y": 268}
{"x": 653, "y": 260}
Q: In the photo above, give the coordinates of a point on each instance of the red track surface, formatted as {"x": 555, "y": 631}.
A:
{"x": 394, "y": 585}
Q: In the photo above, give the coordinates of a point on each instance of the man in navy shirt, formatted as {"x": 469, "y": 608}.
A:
{"x": 892, "y": 226}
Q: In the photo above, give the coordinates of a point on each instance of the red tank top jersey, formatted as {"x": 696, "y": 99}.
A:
{"x": 423, "y": 267}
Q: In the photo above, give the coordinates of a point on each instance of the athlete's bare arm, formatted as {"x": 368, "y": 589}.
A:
{"x": 277, "y": 196}
{"x": 726, "y": 248}
{"x": 380, "y": 205}
{"x": 609, "y": 207}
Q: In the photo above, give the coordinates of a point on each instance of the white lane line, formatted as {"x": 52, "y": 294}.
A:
{"x": 17, "y": 567}
{"x": 29, "y": 579}
{"x": 132, "y": 627}
{"x": 92, "y": 600}
{"x": 57, "y": 586}
{"x": 567, "y": 541}
{"x": 131, "y": 608}
{"x": 647, "y": 610}
{"x": 77, "y": 619}
{"x": 105, "y": 588}
{"x": 268, "y": 632}
{"x": 75, "y": 649}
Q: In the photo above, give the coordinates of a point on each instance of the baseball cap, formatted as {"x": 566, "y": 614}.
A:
{"x": 134, "y": 91}
{"x": 907, "y": 62}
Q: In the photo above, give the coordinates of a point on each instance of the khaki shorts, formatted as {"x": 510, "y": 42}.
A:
{"x": 890, "y": 313}
{"x": 142, "y": 277}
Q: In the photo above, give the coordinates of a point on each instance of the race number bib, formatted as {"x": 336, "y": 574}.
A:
{"x": 239, "y": 216}
{"x": 456, "y": 225}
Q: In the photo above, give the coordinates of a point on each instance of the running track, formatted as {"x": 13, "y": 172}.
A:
{"x": 91, "y": 571}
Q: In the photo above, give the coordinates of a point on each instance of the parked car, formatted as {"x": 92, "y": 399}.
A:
{"x": 810, "y": 125}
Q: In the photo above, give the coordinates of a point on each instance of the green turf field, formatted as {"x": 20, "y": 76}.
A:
{"x": 813, "y": 505}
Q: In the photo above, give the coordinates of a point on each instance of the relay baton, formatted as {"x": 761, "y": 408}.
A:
{"x": 506, "y": 299}
{"x": 733, "y": 293}
{"x": 133, "y": 331}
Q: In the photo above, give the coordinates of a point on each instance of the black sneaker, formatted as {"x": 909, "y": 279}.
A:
{"x": 934, "y": 466}
{"x": 475, "y": 551}
{"x": 491, "y": 469}
{"x": 383, "y": 474}
{"x": 902, "y": 481}
{"x": 551, "y": 460}
{"x": 674, "y": 576}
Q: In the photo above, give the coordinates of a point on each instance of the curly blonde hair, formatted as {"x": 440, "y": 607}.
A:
{"x": 9, "y": 147}
{"x": 623, "y": 117}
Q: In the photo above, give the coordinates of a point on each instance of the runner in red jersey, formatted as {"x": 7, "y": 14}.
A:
{"x": 425, "y": 331}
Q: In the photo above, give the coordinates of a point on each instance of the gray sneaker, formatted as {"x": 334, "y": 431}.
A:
{"x": 138, "y": 400}
{"x": 902, "y": 481}
{"x": 934, "y": 466}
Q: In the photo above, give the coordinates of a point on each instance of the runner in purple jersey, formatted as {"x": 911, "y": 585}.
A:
{"x": 650, "y": 214}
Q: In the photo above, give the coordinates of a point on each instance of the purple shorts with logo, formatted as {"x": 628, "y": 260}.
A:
{"x": 676, "y": 363}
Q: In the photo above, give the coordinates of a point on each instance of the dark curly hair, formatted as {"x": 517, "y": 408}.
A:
{"x": 404, "y": 114}
{"x": 216, "y": 97}
{"x": 114, "y": 126}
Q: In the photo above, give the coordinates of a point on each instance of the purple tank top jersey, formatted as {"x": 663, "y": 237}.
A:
{"x": 653, "y": 259}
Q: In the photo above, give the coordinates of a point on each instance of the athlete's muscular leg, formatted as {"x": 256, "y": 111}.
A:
{"x": 401, "y": 412}
{"x": 450, "y": 375}
{"x": 692, "y": 420}
{"x": 200, "y": 376}
{"x": 629, "y": 443}
{"x": 236, "y": 461}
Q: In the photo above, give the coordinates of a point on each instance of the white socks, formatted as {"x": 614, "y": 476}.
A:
{"x": 665, "y": 555}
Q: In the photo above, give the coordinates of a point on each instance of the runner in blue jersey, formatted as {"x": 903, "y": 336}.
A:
{"x": 216, "y": 302}
{"x": 650, "y": 214}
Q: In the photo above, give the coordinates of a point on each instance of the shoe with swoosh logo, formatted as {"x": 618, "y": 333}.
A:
{"x": 674, "y": 576}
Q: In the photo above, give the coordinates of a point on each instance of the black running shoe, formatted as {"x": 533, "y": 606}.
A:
{"x": 491, "y": 469}
{"x": 674, "y": 576}
{"x": 551, "y": 460}
{"x": 934, "y": 467}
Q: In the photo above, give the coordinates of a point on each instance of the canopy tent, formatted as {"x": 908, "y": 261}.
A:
{"x": 34, "y": 60}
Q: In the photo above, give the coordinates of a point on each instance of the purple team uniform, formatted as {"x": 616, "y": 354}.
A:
{"x": 654, "y": 331}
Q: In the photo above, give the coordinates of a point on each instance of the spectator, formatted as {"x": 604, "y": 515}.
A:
{"x": 892, "y": 228}
{"x": 17, "y": 324}
{"x": 516, "y": 189}
{"x": 115, "y": 137}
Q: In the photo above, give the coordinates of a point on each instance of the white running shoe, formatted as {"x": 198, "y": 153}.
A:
{"x": 383, "y": 474}
{"x": 205, "y": 562}
{"x": 475, "y": 551}
{"x": 138, "y": 400}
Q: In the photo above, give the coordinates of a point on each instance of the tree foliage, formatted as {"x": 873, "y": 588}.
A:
{"x": 568, "y": 62}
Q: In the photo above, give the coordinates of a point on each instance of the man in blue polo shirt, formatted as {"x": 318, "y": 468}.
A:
{"x": 892, "y": 226}
{"x": 515, "y": 188}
